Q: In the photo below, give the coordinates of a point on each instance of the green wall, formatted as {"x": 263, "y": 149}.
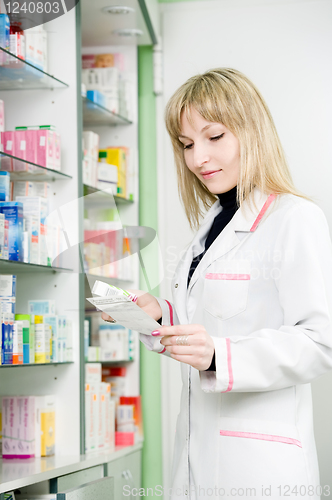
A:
{"x": 148, "y": 216}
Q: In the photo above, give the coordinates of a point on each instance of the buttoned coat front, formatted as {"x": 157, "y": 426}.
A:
{"x": 263, "y": 292}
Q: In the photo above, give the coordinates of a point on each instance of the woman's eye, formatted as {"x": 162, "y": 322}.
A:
{"x": 189, "y": 146}
{"x": 215, "y": 138}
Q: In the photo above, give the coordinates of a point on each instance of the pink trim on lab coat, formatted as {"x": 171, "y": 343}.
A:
{"x": 262, "y": 212}
{"x": 225, "y": 276}
{"x": 229, "y": 366}
{"x": 265, "y": 437}
{"x": 170, "y": 312}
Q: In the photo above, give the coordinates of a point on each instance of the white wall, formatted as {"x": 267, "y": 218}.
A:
{"x": 284, "y": 46}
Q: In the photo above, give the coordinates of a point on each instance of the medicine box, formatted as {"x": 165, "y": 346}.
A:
{"x": 25, "y": 320}
{"x": 18, "y": 343}
{"x": 25, "y": 433}
{"x": 4, "y": 186}
{"x": 7, "y": 324}
{"x": 43, "y": 340}
{"x": 8, "y": 142}
{"x": 45, "y": 408}
{"x": 97, "y": 97}
{"x": 93, "y": 373}
{"x": 9, "y": 426}
{"x": 52, "y": 320}
{"x": 7, "y": 285}
{"x": 41, "y": 307}
{"x": 36, "y": 207}
{"x": 13, "y": 212}
{"x": 4, "y": 37}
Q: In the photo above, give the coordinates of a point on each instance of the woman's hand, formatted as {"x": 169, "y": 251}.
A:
{"x": 189, "y": 344}
{"x": 146, "y": 301}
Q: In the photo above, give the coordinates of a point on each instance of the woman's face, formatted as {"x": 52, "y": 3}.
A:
{"x": 211, "y": 152}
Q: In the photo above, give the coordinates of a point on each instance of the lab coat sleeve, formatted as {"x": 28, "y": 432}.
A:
{"x": 301, "y": 349}
{"x": 169, "y": 318}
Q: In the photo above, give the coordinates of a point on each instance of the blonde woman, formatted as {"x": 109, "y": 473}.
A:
{"x": 250, "y": 321}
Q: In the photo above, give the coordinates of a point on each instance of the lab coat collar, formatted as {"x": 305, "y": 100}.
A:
{"x": 245, "y": 219}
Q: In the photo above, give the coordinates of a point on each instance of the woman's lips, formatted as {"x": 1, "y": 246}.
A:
{"x": 211, "y": 173}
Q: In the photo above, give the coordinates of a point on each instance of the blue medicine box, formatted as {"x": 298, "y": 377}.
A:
{"x": 4, "y": 186}
{"x": 7, "y": 342}
{"x": 4, "y": 33}
{"x": 13, "y": 212}
{"x": 97, "y": 97}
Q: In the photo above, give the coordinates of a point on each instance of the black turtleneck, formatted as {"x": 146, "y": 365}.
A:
{"x": 229, "y": 207}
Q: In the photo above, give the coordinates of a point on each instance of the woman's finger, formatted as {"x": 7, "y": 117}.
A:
{"x": 178, "y": 330}
{"x": 181, "y": 350}
{"x": 180, "y": 340}
{"x": 106, "y": 317}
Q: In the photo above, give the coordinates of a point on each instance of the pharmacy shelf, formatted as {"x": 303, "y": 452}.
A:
{"x": 117, "y": 362}
{"x": 111, "y": 281}
{"x": 16, "y": 473}
{"x": 94, "y": 114}
{"x": 97, "y": 197}
{"x": 41, "y": 174}
{"x": 25, "y": 365}
{"x": 13, "y": 267}
{"x": 16, "y": 74}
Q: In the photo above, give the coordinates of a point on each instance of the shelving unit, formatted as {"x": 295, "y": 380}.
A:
{"x": 14, "y": 267}
{"x": 96, "y": 197}
{"x": 21, "y": 75}
{"x": 94, "y": 115}
{"x": 39, "y": 173}
{"x": 35, "y": 97}
{"x": 26, "y": 365}
{"x": 115, "y": 131}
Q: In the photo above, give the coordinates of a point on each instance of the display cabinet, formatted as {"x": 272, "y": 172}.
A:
{"x": 54, "y": 97}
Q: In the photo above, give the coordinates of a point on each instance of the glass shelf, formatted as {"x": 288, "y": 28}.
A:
{"x": 36, "y": 173}
{"x": 13, "y": 267}
{"x": 38, "y": 364}
{"x": 17, "y": 74}
{"x": 112, "y": 363}
{"x": 94, "y": 114}
{"x": 94, "y": 196}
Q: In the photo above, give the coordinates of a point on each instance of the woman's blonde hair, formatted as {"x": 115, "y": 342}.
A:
{"x": 226, "y": 96}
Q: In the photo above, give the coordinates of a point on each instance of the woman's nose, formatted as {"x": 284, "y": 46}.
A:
{"x": 201, "y": 156}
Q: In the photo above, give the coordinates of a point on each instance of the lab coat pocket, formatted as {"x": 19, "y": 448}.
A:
{"x": 226, "y": 287}
{"x": 260, "y": 452}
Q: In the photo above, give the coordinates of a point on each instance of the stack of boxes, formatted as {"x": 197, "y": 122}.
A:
{"x": 99, "y": 411}
{"x": 110, "y": 172}
{"x": 25, "y": 205}
{"x": 29, "y": 45}
{"x": 90, "y": 158}
{"x": 106, "y": 249}
{"x": 103, "y": 249}
{"x": 108, "y": 342}
{"x": 35, "y": 144}
{"x": 101, "y": 77}
{"x": 41, "y": 336}
{"x": 129, "y": 422}
{"x": 116, "y": 157}
{"x": 107, "y": 174}
{"x": 28, "y": 426}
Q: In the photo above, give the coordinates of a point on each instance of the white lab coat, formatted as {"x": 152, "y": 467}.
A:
{"x": 263, "y": 291}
